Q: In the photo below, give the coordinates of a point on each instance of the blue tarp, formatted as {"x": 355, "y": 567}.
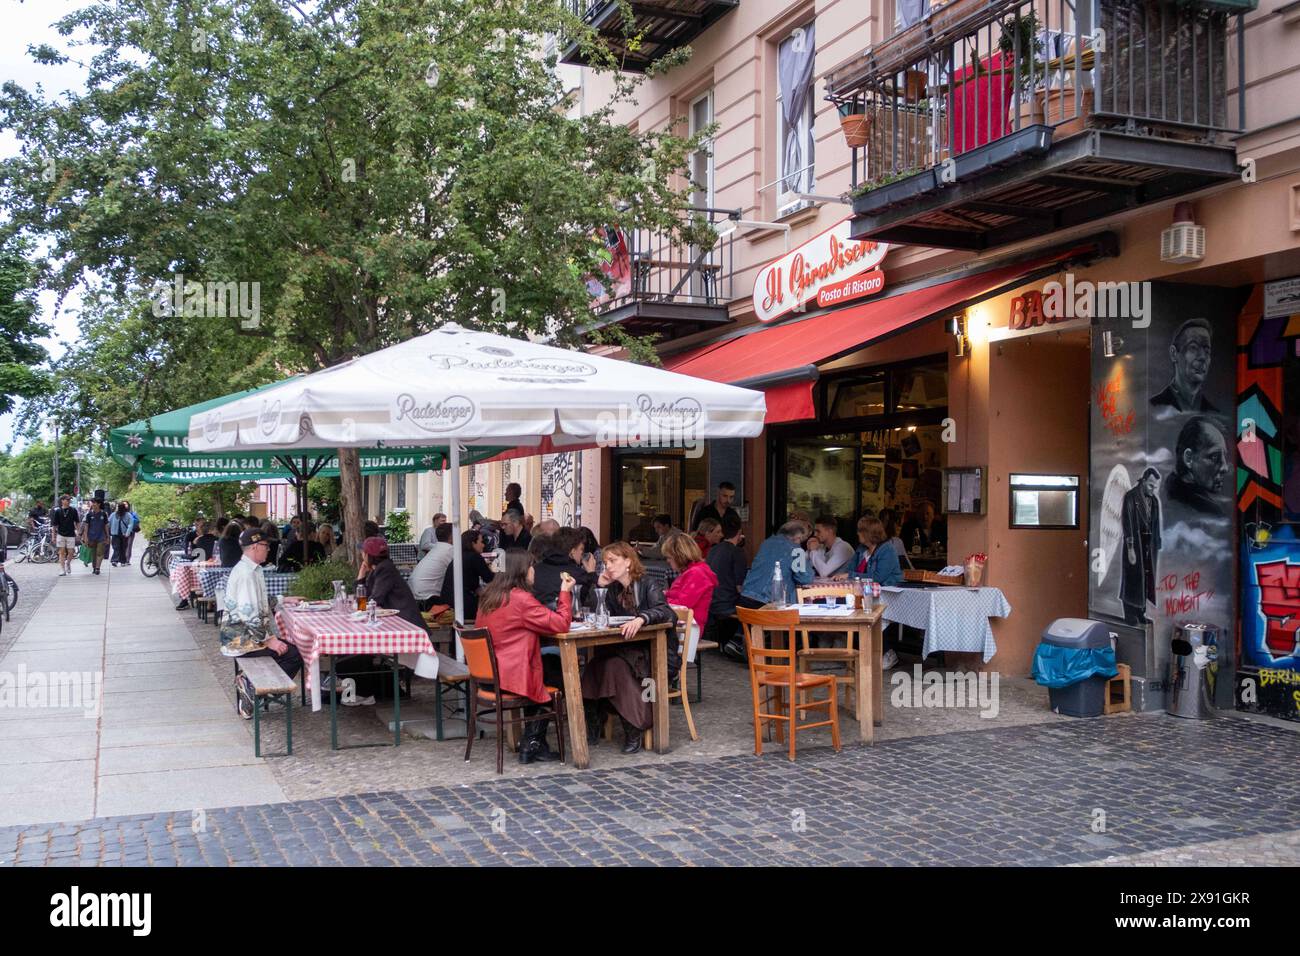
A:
{"x": 1063, "y": 666}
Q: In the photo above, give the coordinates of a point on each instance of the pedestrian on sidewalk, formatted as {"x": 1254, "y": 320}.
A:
{"x": 119, "y": 526}
{"x": 247, "y": 626}
{"x": 63, "y": 526}
{"x": 94, "y": 532}
{"x": 135, "y": 529}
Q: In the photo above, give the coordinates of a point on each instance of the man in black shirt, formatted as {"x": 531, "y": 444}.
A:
{"x": 63, "y": 527}
{"x": 513, "y": 491}
{"x": 36, "y": 516}
{"x": 513, "y": 533}
{"x": 718, "y": 508}
{"x": 728, "y": 562}
{"x": 475, "y": 572}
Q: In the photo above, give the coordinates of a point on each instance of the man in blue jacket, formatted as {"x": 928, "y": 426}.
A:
{"x": 785, "y": 548}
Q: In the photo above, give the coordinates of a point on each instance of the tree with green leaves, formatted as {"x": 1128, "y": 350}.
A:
{"x": 20, "y": 354}
{"x": 31, "y": 470}
{"x": 359, "y": 171}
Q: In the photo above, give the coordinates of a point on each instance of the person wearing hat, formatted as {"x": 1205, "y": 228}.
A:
{"x": 384, "y": 584}
{"x": 247, "y": 625}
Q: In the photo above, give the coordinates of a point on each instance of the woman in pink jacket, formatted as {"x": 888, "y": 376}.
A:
{"x": 693, "y": 587}
{"x": 516, "y": 620}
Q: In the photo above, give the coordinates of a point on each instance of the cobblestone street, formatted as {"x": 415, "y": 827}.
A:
{"x": 1147, "y": 789}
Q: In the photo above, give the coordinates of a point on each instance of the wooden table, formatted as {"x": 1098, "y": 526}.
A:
{"x": 866, "y": 624}
{"x": 569, "y": 643}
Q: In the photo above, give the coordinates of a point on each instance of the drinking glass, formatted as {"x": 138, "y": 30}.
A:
{"x": 361, "y": 597}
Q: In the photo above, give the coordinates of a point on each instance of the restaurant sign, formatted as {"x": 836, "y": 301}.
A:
{"x": 1026, "y": 315}
{"x": 826, "y": 263}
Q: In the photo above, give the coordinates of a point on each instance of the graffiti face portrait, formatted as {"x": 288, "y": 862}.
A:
{"x": 1189, "y": 355}
{"x": 1201, "y": 465}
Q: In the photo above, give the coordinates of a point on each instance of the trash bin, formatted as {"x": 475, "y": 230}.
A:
{"x": 1193, "y": 668}
{"x": 1074, "y": 660}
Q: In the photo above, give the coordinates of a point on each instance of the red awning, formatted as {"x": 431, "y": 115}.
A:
{"x": 793, "y": 345}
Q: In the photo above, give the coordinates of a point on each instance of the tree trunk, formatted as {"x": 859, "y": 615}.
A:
{"x": 350, "y": 505}
{"x": 218, "y": 504}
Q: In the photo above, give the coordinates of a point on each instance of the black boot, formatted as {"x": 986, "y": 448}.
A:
{"x": 631, "y": 738}
{"x": 595, "y": 716}
{"x": 534, "y": 747}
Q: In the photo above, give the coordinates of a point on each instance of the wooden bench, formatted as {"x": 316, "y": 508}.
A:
{"x": 204, "y": 606}
{"x": 269, "y": 682}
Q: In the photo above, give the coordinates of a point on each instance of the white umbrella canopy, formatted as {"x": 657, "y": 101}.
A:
{"x": 477, "y": 388}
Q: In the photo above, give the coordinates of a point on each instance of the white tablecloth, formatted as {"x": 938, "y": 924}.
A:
{"x": 953, "y": 618}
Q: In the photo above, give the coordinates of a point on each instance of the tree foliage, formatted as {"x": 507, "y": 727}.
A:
{"x": 20, "y": 354}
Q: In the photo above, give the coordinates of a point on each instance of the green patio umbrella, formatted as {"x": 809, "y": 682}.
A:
{"x": 157, "y": 450}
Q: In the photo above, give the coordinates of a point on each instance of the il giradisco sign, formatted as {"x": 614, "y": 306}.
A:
{"x": 822, "y": 262}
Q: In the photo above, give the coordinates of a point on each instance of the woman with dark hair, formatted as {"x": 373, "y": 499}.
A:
{"x": 517, "y": 620}
{"x": 384, "y": 584}
{"x": 565, "y": 553}
{"x": 228, "y": 548}
{"x": 614, "y": 674}
{"x": 475, "y": 571}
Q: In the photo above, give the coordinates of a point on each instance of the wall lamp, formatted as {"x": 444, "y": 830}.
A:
{"x": 1110, "y": 343}
{"x": 956, "y": 327}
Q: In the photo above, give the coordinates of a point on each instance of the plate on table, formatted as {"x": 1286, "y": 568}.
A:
{"x": 382, "y": 612}
{"x": 312, "y": 606}
{"x": 619, "y": 619}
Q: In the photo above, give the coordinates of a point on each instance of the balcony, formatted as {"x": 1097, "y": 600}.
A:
{"x": 995, "y": 121}
{"x": 656, "y": 29}
{"x": 661, "y": 284}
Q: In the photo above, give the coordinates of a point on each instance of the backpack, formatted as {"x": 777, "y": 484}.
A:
{"x": 135, "y": 523}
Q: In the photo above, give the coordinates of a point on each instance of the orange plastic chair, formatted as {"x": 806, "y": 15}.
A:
{"x": 775, "y": 669}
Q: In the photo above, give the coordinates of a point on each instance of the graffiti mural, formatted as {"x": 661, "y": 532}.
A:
{"x": 1268, "y": 503}
{"x": 560, "y": 488}
{"x": 1162, "y": 510}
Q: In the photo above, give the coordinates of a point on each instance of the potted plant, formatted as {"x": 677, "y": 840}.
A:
{"x": 1019, "y": 40}
{"x": 855, "y": 122}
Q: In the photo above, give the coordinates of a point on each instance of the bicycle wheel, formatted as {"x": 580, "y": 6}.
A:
{"x": 10, "y": 595}
{"x": 149, "y": 562}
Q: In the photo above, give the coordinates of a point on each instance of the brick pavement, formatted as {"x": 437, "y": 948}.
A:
{"x": 1010, "y": 795}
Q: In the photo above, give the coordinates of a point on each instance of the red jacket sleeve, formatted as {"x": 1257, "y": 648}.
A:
{"x": 689, "y": 589}
{"x": 536, "y": 616}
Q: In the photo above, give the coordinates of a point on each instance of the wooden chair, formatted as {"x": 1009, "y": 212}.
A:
{"x": 685, "y": 618}
{"x": 846, "y": 655}
{"x": 481, "y": 658}
{"x": 774, "y": 668}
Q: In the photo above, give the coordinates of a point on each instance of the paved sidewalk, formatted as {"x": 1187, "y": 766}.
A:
{"x": 1028, "y": 795}
{"x": 166, "y": 736}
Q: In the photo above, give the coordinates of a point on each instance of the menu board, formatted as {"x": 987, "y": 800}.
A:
{"x": 964, "y": 491}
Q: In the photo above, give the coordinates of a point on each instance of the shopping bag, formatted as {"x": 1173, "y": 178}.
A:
{"x": 84, "y": 554}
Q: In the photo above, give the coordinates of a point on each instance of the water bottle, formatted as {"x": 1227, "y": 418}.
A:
{"x": 372, "y": 614}
{"x": 778, "y": 585}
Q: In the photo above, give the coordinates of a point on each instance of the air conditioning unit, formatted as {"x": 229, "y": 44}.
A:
{"x": 1184, "y": 241}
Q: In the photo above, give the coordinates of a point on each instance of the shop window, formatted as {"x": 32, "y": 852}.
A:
{"x": 1044, "y": 501}
{"x": 648, "y": 485}
{"x": 821, "y": 476}
{"x": 921, "y": 387}
{"x": 857, "y": 398}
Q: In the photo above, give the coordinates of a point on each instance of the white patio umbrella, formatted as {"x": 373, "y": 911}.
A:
{"x": 474, "y": 388}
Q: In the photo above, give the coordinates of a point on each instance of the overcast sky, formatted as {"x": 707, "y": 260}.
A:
{"x": 28, "y": 24}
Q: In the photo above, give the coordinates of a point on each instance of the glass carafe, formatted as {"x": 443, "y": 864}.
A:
{"x": 602, "y": 612}
{"x": 340, "y": 596}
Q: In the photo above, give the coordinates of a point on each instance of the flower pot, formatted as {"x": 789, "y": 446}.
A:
{"x": 1058, "y": 109}
{"x": 857, "y": 129}
{"x": 1030, "y": 112}
{"x": 916, "y": 80}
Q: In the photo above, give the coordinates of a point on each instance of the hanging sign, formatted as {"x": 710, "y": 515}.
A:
{"x": 825, "y": 262}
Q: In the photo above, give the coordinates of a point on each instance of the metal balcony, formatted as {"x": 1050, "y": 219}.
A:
{"x": 993, "y": 121}
{"x": 656, "y": 29}
{"x": 667, "y": 287}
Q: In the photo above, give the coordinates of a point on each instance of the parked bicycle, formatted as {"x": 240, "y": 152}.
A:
{"x": 37, "y": 547}
{"x": 157, "y": 557}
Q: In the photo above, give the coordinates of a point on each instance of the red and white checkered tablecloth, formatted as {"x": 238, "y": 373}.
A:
{"x": 334, "y": 632}
{"x": 184, "y": 576}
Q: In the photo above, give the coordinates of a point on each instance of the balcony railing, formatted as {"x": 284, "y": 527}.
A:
{"x": 658, "y": 27}
{"x": 979, "y": 73}
{"x": 667, "y": 281}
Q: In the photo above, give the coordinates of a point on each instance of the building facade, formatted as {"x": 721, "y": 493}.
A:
{"x": 1027, "y": 262}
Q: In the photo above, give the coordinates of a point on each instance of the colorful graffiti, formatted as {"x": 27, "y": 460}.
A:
{"x": 1268, "y": 653}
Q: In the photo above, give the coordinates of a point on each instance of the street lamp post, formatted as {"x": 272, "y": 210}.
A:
{"x": 80, "y": 456}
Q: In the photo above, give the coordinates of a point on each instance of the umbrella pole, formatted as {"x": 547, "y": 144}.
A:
{"x": 457, "y": 559}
